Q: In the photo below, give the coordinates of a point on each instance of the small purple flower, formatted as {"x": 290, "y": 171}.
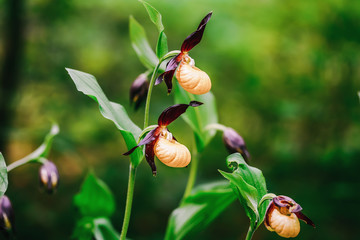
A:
{"x": 6, "y": 215}
{"x": 49, "y": 176}
{"x": 282, "y": 217}
{"x": 138, "y": 90}
{"x": 235, "y": 143}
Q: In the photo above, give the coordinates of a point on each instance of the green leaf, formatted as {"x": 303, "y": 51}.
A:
{"x": 88, "y": 228}
{"x": 104, "y": 230}
{"x": 3, "y": 176}
{"x": 249, "y": 185}
{"x": 199, "y": 209}
{"x": 141, "y": 44}
{"x": 162, "y": 46}
{"x": 115, "y": 112}
{"x": 198, "y": 118}
{"x": 95, "y": 198}
{"x": 154, "y": 15}
{"x": 84, "y": 229}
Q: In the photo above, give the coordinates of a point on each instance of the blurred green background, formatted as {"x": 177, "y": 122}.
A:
{"x": 284, "y": 73}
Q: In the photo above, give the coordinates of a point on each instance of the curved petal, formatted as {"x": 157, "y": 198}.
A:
{"x": 167, "y": 76}
{"x": 173, "y": 112}
{"x": 307, "y": 220}
{"x": 151, "y": 136}
{"x": 149, "y": 156}
{"x": 194, "y": 38}
{"x": 269, "y": 209}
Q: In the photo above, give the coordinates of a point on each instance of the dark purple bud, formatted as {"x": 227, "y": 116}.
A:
{"x": 235, "y": 143}
{"x": 6, "y": 216}
{"x": 194, "y": 38}
{"x": 49, "y": 177}
{"x": 138, "y": 90}
{"x": 173, "y": 112}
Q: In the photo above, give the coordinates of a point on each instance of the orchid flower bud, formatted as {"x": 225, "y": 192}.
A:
{"x": 138, "y": 90}
{"x": 49, "y": 176}
{"x": 282, "y": 217}
{"x": 6, "y": 215}
{"x": 235, "y": 143}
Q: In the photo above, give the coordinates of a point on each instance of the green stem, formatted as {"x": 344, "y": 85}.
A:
{"x": 23, "y": 161}
{"x": 129, "y": 199}
{"x": 192, "y": 175}
{"x": 132, "y": 171}
{"x": 151, "y": 85}
{"x": 250, "y": 233}
{"x": 148, "y": 98}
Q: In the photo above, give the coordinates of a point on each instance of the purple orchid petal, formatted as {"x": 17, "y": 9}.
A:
{"x": 151, "y": 136}
{"x": 168, "y": 75}
{"x": 307, "y": 220}
{"x": 194, "y": 38}
{"x": 149, "y": 156}
{"x": 173, "y": 112}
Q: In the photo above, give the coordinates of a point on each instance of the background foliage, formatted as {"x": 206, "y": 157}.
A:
{"x": 283, "y": 75}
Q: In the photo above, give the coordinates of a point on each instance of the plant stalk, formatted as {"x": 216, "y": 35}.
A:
{"x": 132, "y": 170}
{"x": 250, "y": 233}
{"x": 192, "y": 175}
{"x": 23, "y": 161}
{"x": 152, "y": 82}
{"x": 148, "y": 97}
{"x": 129, "y": 200}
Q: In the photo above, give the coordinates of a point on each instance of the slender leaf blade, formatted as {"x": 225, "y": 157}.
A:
{"x": 198, "y": 118}
{"x": 141, "y": 45}
{"x": 154, "y": 15}
{"x": 3, "y": 176}
{"x": 95, "y": 198}
{"x": 199, "y": 209}
{"x": 162, "y": 46}
{"x": 115, "y": 112}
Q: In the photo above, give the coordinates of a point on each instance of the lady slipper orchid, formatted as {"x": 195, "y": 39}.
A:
{"x": 282, "y": 217}
{"x": 163, "y": 144}
{"x": 191, "y": 78}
